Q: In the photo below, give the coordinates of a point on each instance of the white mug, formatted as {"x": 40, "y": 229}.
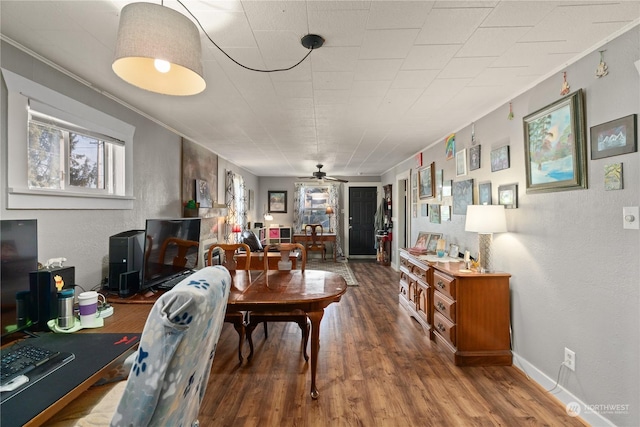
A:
{"x": 89, "y": 314}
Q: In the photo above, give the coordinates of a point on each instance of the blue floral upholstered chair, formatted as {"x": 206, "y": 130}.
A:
{"x": 171, "y": 368}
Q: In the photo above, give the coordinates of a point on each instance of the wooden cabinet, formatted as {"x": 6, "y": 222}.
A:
{"x": 469, "y": 313}
{"x": 415, "y": 292}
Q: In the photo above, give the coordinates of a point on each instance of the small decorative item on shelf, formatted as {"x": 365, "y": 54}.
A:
{"x": 191, "y": 209}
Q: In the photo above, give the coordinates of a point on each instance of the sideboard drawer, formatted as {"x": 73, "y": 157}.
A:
{"x": 444, "y": 327}
{"x": 444, "y": 284}
{"x": 445, "y": 306}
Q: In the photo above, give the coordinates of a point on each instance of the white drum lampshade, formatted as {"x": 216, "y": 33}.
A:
{"x": 485, "y": 220}
{"x": 159, "y": 50}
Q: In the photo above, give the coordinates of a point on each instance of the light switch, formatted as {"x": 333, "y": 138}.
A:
{"x": 630, "y": 218}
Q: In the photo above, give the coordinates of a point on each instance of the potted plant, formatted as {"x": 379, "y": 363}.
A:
{"x": 191, "y": 209}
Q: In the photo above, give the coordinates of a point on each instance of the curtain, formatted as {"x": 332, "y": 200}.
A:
{"x": 236, "y": 205}
{"x": 309, "y": 207}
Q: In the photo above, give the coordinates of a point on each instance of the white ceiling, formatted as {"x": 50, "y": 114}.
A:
{"x": 392, "y": 77}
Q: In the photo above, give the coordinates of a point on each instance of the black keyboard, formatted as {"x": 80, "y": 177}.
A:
{"x": 172, "y": 281}
{"x": 22, "y": 358}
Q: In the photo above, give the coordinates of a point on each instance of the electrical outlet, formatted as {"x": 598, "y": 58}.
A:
{"x": 570, "y": 359}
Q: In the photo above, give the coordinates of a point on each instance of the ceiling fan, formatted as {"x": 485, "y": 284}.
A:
{"x": 320, "y": 176}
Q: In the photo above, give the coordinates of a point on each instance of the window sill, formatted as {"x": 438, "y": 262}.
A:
{"x": 30, "y": 199}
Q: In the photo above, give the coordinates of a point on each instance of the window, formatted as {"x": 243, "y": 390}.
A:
{"x": 62, "y": 154}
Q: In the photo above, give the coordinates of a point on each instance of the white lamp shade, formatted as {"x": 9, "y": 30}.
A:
{"x": 150, "y": 31}
{"x": 486, "y": 219}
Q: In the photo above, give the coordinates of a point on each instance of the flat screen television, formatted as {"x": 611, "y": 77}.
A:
{"x": 170, "y": 250}
{"x": 18, "y": 257}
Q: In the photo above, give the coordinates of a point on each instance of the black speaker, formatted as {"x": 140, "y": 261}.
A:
{"x": 129, "y": 284}
{"x": 125, "y": 256}
{"x": 43, "y": 299}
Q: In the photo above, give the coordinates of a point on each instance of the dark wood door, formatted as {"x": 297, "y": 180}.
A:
{"x": 362, "y": 210}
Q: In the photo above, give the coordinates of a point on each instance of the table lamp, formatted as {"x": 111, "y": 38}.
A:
{"x": 236, "y": 229}
{"x": 329, "y": 212}
{"x": 485, "y": 220}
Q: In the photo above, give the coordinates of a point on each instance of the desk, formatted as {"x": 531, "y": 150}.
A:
{"x": 95, "y": 356}
{"x": 310, "y": 291}
{"x": 325, "y": 237}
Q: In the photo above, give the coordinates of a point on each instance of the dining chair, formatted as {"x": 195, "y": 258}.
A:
{"x": 313, "y": 239}
{"x": 236, "y": 318}
{"x": 169, "y": 376}
{"x": 185, "y": 248}
{"x": 254, "y": 318}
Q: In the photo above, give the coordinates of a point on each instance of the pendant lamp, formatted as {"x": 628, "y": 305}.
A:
{"x": 158, "y": 49}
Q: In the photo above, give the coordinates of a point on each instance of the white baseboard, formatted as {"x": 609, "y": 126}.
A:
{"x": 585, "y": 413}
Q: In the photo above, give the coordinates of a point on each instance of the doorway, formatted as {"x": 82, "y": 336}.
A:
{"x": 362, "y": 203}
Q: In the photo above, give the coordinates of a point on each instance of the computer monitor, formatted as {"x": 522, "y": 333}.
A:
{"x": 18, "y": 257}
{"x": 170, "y": 249}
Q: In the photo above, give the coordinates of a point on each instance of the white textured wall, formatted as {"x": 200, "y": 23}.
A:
{"x": 575, "y": 271}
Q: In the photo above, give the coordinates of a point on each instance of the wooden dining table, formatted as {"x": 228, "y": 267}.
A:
{"x": 310, "y": 291}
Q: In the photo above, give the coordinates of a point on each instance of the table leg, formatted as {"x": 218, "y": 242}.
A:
{"x": 315, "y": 317}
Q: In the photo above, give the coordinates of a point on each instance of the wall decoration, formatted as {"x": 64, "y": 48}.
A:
{"x": 613, "y": 177}
{"x": 484, "y": 193}
{"x": 555, "y": 146}
{"x": 435, "y": 214}
{"x": 446, "y": 188}
{"x": 510, "y": 115}
{"x": 565, "y": 85}
{"x": 602, "y": 69}
{"x": 424, "y": 209}
{"x": 462, "y": 196}
{"x": 419, "y": 160}
{"x": 439, "y": 175}
{"x": 508, "y": 195}
{"x": 278, "y": 202}
{"x": 500, "y": 158}
{"x": 450, "y": 146}
{"x": 454, "y": 251}
{"x": 427, "y": 181}
{"x": 202, "y": 194}
{"x": 422, "y": 240}
{"x": 614, "y": 137}
{"x": 445, "y": 213}
{"x": 414, "y": 193}
{"x": 461, "y": 162}
{"x": 474, "y": 157}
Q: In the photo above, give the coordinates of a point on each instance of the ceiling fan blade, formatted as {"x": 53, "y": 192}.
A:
{"x": 330, "y": 178}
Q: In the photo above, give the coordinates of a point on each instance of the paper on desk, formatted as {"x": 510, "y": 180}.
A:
{"x": 436, "y": 258}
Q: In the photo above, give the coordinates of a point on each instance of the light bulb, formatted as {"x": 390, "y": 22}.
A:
{"x": 162, "y": 65}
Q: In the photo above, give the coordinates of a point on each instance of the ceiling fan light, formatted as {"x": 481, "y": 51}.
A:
{"x": 148, "y": 32}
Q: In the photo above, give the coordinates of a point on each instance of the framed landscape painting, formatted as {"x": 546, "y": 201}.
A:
{"x": 277, "y": 202}
{"x": 427, "y": 182}
{"x": 555, "y": 146}
{"x": 614, "y": 138}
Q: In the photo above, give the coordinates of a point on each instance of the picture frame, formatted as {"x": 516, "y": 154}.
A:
{"x": 508, "y": 196}
{"x": 462, "y": 196}
{"x": 461, "y": 162}
{"x": 424, "y": 209}
{"x": 613, "y": 177}
{"x": 450, "y": 146}
{"x": 500, "y": 158}
{"x": 454, "y": 251}
{"x": 445, "y": 213}
{"x": 555, "y": 146}
{"x": 433, "y": 242}
{"x": 439, "y": 175}
{"x": 446, "y": 188}
{"x": 202, "y": 193}
{"x": 484, "y": 193}
{"x": 427, "y": 182}
{"x": 277, "y": 202}
{"x": 434, "y": 211}
{"x": 474, "y": 157}
{"x": 422, "y": 240}
{"x": 614, "y": 137}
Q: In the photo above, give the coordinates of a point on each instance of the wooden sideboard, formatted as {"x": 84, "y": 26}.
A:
{"x": 466, "y": 313}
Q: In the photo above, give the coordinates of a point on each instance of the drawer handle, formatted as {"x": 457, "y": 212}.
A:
{"x": 441, "y": 306}
{"x": 441, "y": 285}
{"x": 441, "y": 327}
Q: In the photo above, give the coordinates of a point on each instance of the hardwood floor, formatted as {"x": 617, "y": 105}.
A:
{"x": 376, "y": 367}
